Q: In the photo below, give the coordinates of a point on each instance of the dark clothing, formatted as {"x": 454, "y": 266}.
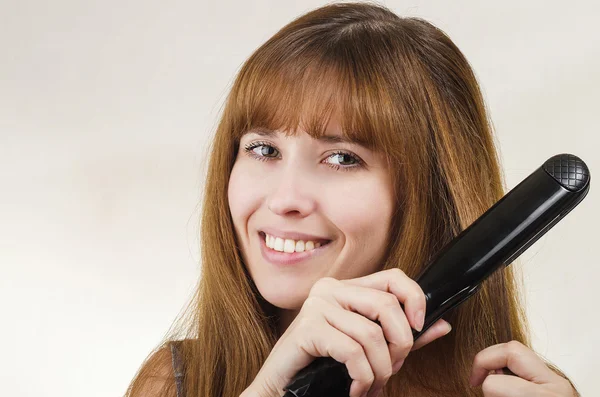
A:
{"x": 177, "y": 360}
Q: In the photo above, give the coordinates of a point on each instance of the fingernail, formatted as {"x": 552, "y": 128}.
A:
{"x": 449, "y": 328}
{"x": 420, "y": 319}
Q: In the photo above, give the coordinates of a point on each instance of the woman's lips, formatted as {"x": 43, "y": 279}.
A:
{"x": 285, "y": 258}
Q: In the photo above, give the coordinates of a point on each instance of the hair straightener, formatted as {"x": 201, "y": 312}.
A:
{"x": 495, "y": 239}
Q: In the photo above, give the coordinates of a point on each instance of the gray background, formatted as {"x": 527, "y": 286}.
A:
{"x": 106, "y": 108}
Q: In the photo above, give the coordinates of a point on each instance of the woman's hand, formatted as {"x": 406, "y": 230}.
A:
{"x": 338, "y": 320}
{"x": 533, "y": 376}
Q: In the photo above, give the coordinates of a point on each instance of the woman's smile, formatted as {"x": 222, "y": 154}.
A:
{"x": 273, "y": 254}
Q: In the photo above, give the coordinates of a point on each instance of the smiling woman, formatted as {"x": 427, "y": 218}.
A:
{"x": 353, "y": 145}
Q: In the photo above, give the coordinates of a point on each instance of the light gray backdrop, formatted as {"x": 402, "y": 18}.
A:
{"x": 105, "y": 111}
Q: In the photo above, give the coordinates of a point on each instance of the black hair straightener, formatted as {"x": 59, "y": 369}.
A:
{"x": 495, "y": 239}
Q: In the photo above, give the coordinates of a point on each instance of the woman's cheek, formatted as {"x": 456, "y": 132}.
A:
{"x": 362, "y": 197}
{"x": 241, "y": 191}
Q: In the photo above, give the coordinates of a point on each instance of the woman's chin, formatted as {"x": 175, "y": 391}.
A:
{"x": 284, "y": 297}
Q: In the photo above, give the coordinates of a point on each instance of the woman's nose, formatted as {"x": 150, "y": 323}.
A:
{"x": 292, "y": 191}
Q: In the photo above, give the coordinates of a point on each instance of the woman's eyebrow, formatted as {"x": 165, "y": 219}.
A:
{"x": 324, "y": 138}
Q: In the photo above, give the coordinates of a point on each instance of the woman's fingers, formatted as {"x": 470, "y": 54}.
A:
{"x": 376, "y": 312}
{"x": 368, "y": 334}
{"x": 521, "y": 360}
{"x": 377, "y": 306}
{"x": 507, "y": 386}
{"x": 437, "y": 330}
{"x": 396, "y": 282}
{"x": 331, "y": 342}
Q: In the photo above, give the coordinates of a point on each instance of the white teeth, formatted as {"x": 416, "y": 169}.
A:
{"x": 278, "y": 246}
{"x": 289, "y": 245}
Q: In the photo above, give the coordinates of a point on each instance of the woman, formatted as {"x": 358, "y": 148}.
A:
{"x": 360, "y": 138}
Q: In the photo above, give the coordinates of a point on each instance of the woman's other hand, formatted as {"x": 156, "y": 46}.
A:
{"x": 533, "y": 376}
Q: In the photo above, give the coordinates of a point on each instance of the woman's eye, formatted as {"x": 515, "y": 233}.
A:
{"x": 343, "y": 156}
{"x": 265, "y": 152}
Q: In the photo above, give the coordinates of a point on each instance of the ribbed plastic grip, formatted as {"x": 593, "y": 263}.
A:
{"x": 568, "y": 170}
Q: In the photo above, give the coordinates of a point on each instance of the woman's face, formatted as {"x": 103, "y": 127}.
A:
{"x": 290, "y": 185}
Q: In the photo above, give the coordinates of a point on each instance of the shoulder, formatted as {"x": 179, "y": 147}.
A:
{"x": 156, "y": 377}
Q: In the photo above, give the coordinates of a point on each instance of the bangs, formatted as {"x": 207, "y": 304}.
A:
{"x": 304, "y": 90}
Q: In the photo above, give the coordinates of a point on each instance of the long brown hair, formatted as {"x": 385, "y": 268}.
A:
{"x": 403, "y": 88}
